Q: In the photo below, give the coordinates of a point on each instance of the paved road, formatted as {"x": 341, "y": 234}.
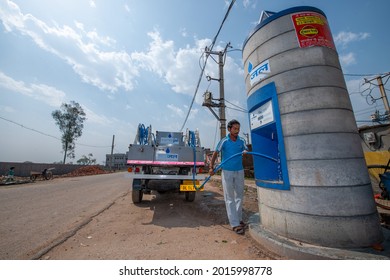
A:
{"x": 36, "y": 216}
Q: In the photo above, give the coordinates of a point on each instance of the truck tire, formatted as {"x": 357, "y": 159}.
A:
{"x": 136, "y": 196}
{"x": 190, "y": 196}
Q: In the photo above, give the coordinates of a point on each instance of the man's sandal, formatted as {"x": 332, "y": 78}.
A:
{"x": 244, "y": 225}
{"x": 239, "y": 230}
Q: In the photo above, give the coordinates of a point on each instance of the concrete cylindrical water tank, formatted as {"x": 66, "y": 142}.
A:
{"x": 329, "y": 201}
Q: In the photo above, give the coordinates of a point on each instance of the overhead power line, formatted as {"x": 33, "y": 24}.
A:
{"x": 48, "y": 135}
{"x": 205, "y": 63}
{"x": 364, "y": 75}
{"x": 32, "y": 129}
{"x": 238, "y": 108}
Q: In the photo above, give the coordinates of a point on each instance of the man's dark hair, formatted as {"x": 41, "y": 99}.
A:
{"x": 233, "y": 122}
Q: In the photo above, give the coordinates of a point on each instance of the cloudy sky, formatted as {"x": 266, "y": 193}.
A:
{"x": 128, "y": 62}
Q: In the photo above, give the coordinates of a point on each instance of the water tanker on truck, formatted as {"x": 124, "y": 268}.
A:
{"x": 165, "y": 162}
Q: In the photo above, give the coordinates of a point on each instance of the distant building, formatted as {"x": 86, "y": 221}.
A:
{"x": 376, "y": 143}
{"x": 118, "y": 161}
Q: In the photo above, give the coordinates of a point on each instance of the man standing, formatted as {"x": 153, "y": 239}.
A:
{"x": 11, "y": 174}
{"x": 232, "y": 147}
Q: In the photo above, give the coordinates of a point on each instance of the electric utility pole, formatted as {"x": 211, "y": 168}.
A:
{"x": 208, "y": 96}
{"x": 383, "y": 92}
{"x": 112, "y": 151}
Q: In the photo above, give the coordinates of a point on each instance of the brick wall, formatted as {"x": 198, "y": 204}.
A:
{"x": 23, "y": 169}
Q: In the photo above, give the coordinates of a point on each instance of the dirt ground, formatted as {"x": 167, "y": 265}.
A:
{"x": 165, "y": 226}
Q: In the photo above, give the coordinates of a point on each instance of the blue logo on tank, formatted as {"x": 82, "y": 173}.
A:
{"x": 250, "y": 67}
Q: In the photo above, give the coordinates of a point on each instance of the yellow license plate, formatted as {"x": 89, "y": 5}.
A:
{"x": 190, "y": 188}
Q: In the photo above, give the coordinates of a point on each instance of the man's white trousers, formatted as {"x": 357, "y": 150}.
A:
{"x": 233, "y": 191}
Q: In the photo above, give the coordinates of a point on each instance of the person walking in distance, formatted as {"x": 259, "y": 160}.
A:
{"x": 232, "y": 174}
{"x": 11, "y": 174}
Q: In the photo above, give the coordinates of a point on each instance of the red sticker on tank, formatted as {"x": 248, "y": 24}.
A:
{"x": 312, "y": 29}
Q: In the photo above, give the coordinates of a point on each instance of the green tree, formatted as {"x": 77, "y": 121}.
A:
{"x": 84, "y": 160}
{"x": 70, "y": 121}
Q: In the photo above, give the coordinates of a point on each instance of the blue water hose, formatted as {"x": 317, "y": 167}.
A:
{"x": 229, "y": 158}
{"x": 192, "y": 143}
{"x": 143, "y": 133}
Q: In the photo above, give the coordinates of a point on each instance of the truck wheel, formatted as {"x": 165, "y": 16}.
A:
{"x": 190, "y": 196}
{"x": 136, "y": 196}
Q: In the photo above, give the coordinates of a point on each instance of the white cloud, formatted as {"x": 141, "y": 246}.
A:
{"x": 347, "y": 59}
{"x": 95, "y": 118}
{"x": 94, "y": 36}
{"x": 344, "y": 38}
{"x": 180, "y": 69}
{"x": 41, "y": 92}
{"x": 178, "y": 111}
{"x": 94, "y": 57}
{"x": 7, "y": 109}
{"x": 183, "y": 32}
{"x": 91, "y": 56}
{"x": 159, "y": 57}
{"x": 249, "y": 4}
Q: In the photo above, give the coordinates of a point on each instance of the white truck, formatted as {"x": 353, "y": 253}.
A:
{"x": 165, "y": 162}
